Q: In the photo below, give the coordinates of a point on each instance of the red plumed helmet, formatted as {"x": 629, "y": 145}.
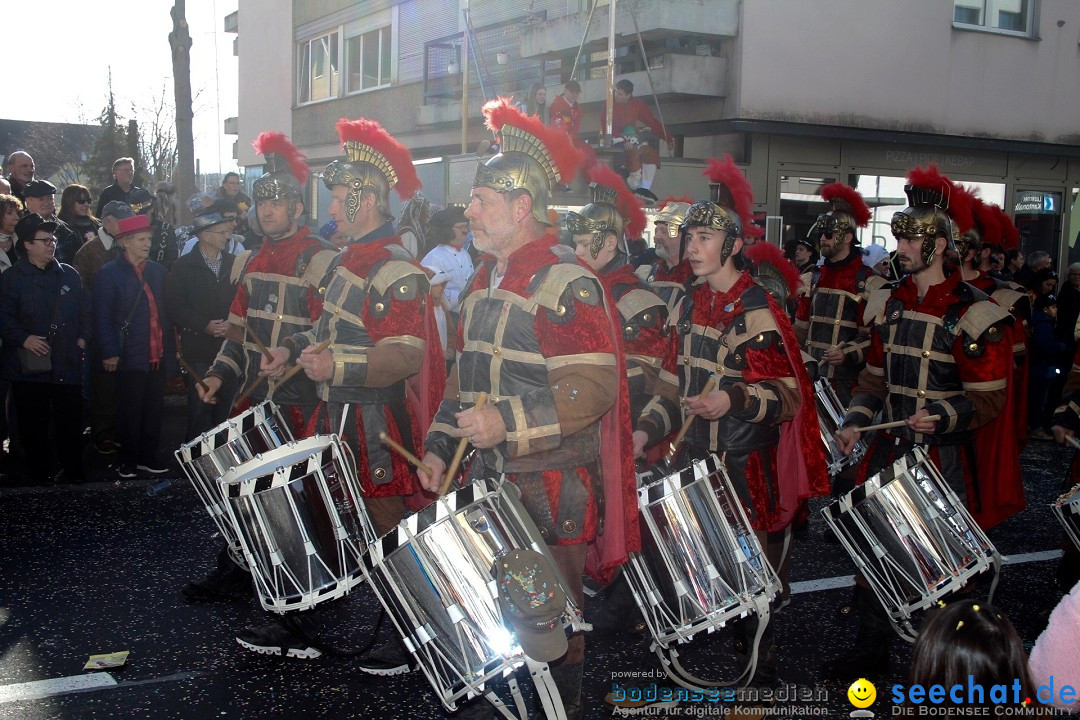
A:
{"x": 270, "y": 144}
{"x": 764, "y": 256}
{"x": 961, "y": 206}
{"x": 730, "y": 189}
{"x": 844, "y": 198}
{"x": 1010, "y": 235}
{"x": 627, "y": 203}
{"x": 988, "y": 221}
{"x": 366, "y": 141}
{"x": 556, "y": 153}
{"x": 927, "y": 186}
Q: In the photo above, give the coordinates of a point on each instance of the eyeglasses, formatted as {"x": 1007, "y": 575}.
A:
{"x": 827, "y": 234}
{"x": 51, "y": 240}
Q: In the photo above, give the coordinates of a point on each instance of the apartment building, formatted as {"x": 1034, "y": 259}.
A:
{"x": 800, "y": 92}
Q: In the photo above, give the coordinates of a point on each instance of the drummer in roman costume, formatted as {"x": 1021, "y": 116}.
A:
{"x": 830, "y": 321}
{"x": 381, "y": 327}
{"x": 600, "y": 232}
{"x": 276, "y": 295}
{"x": 537, "y": 337}
{"x": 278, "y": 287}
{"x": 760, "y": 419}
{"x": 939, "y": 346}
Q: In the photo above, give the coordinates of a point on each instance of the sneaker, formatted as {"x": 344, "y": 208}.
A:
{"x": 225, "y": 582}
{"x": 126, "y": 471}
{"x": 276, "y": 639}
{"x": 151, "y": 469}
{"x": 646, "y": 193}
{"x": 390, "y": 658}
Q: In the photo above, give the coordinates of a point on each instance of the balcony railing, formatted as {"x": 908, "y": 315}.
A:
{"x": 495, "y": 63}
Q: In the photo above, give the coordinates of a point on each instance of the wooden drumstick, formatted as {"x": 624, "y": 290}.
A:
{"x": 191, "y": 371}
{"x": 259, "y": 344}
{"x": 1073, "y": 441}
{"x": 709, "y": 385}
{"x": 297, "y": 368}
{"x": 396, "y": 446}
{"x": 894, "y": 424}
{"x": 481, "y": 401}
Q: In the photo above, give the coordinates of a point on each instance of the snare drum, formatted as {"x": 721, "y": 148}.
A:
{"x": 910, "y": 536}
{"x": 830, "y": 419}
{"x": 701, "y": 564}
{"x": 1067, "y": 510}
{"x": 231, "y": 443}
{"x": 301, "y": 522}
{"x": 435, "y": 575}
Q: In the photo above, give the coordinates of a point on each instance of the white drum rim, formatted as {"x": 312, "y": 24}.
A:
{"x": 271, "y": 464}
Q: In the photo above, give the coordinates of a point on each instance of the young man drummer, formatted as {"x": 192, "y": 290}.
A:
{"x": 938, "y": 348}
{"x": 277, "y": 295}
{"x": 536, "y": 336}
{"x": 378, "y": 318}
{"x": 731, "y": 329}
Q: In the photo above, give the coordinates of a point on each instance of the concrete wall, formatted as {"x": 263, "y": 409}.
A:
{"x": 266, "y": 72}
{"x": 902, "y": 65}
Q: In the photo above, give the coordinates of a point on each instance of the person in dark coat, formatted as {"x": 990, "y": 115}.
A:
{"x": 44, "y": 313}
{"x": 198, "y": 293}
{"x": 1048, "y": 353}
{"x": 136, "y": 340}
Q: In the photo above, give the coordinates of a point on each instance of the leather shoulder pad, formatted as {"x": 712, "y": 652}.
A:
{"x": 984, "y": 317}
{"x": 391, "y": 276}
{"x": 318, "y": 266}
{"x": 564, "y": 276}
{"x": 239, "y": 266}
{"x": 755, "y": 297}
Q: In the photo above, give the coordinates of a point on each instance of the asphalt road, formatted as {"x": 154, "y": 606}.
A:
{"x": 98, "y": 568}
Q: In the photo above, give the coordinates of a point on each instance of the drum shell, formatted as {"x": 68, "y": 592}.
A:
{"x": 830, "y": 419}
{"x": 230, "y": 444}
{"x": 701, "y": 564}
{"x": 435, "y": 575}
{"x": 1067, "y": 510}
{"x": 910, "y": 536}
{"x": 301, "y": 522}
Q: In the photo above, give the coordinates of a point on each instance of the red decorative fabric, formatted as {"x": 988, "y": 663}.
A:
{"x": 157, "y": 342}
{"x": 678, "y": 274}
{"x": 278, "y": 257}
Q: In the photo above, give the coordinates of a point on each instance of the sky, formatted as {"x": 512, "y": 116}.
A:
{"x": 86, "y": 38}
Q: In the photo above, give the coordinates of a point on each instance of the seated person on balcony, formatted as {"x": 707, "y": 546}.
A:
{"x": 565, "y": 111}
{"x": 635, "y": 127}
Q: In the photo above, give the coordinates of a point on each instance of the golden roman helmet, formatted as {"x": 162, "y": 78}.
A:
{"x": 614, "y": 209}
{"x": 847, "y": 211}
{"x": 532, "y": 157}
{"x": 673, "y": 213}
{"x": 286, "y": 169}
{"x": 929, "y": 196}
{"x": 374, "y": 162}
{"x": 731, "y": 203}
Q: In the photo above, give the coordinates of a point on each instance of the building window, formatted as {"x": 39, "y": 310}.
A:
{"x": 367, "y": 60}
{"x": 318, "y": 71}
{"x": 1011, "y": 17}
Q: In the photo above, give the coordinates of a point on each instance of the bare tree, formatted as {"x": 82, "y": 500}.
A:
{"x": 157, "y": 138}
{"x": 180, "y": 42}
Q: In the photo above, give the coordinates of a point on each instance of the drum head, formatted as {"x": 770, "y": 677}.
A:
{"x": 277, "y": 463}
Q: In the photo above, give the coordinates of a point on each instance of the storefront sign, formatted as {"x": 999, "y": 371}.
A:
{"x": 1029, "y": 202}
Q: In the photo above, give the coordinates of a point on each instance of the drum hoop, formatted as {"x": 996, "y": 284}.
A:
{"x": 234, "y": 427}
{"x": 236, "y": 482}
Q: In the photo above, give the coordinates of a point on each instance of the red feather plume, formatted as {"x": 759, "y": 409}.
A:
{"x": 671, "y": 198}
{"x": 276, "y": 142}
{"x": 1010, "y": 235}
{"x": 987, "y": 220}
{"x": 759, "y": 253}
{"x": 370, "y": 133}
{"x": 962, "y": 202}
{"x": 726, "y": 173}
{"x": 851, "y": 196}
{"x": 627, "y": 203}
{"x": 502, "y": 111}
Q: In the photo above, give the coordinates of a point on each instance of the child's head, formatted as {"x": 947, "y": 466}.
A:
{"x": 965, "y": 638}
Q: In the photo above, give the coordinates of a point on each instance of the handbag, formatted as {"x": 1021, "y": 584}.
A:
{"x": 31, "y": 362}
{"x": 127, "y": 320}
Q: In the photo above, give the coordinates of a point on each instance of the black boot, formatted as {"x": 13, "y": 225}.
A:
{"x": 869, "y": 657}
{"x": 228, "y": 580}
{"x": 620, "y": 612}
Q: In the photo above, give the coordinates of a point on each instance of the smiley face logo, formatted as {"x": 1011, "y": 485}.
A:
{"x": 862, "y": 693}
